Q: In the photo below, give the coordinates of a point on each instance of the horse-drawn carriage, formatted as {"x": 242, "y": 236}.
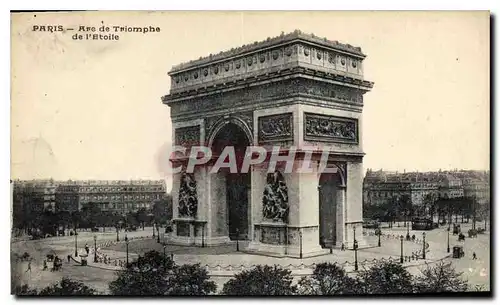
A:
{"x": 461, "y": 237}
{"x": 458, "y": 251}
{"x": 456, "y": 229}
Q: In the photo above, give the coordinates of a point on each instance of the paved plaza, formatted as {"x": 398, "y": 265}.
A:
{"x": 224, "y": 261}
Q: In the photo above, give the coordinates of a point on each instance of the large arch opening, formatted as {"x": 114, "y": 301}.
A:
{"x": 237, "y": 185}
{"x": 328, "y": 189}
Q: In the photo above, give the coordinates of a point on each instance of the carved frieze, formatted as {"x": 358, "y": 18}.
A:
{"x": 188, "y": 198}
{"x": 330, "y": 128}
{"x": 276, "y": 90}
{"x": 187, "y": 136}
{"x": 275, "y": 198}
{"x": 276, "y": 128}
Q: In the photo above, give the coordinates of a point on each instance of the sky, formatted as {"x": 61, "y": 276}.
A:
{"x": 92, "y": 109}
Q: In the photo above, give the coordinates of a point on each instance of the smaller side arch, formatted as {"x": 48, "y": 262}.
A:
{"x": 223, "y": 122}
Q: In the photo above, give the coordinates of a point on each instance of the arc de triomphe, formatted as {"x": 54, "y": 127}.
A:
{"x": 294, "y": 90}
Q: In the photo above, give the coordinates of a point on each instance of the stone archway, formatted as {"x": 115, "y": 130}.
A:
{"x": 237, "y": 185}
{"x": 330, "y": 190}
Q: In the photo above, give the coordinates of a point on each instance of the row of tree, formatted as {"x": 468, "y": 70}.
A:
{"x": 402, "y": 209}
{"x": 154, "y": 275}
{"x": 91, "y": 216}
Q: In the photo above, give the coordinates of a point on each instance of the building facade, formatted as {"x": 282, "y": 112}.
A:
{"x": 120, "y": 196}
{"x": 379, "y": 186}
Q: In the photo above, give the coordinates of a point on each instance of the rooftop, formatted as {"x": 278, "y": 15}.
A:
{"x": 283, "y": 38}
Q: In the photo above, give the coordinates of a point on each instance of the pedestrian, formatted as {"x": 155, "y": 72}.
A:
{"x": 44, "y": 264}
{"x": 69, "y": 258}
{"x": 474, "y": 255}
{"x": 87, "y": 249}
{"x": 29, "y": 267}
{"x": 343, "y": 247}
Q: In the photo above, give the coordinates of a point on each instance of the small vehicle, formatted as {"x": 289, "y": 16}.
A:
{"x": 132, "y": 228}
{"x": 422, "y": 224}
{"x": 371, "y": 224}
{"x": 456, "y": 229}
{"x": 458, "y": 251}
{"x": 95, "y": 229}
{"x": 472, "y": 233}
{"x": 50, "y": 257}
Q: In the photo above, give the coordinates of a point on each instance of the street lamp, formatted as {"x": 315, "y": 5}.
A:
{"x": 76, "y": 243}
{"x": 354, "y": 235}
{"x": 423, "y": 250}
{"x": 379, "y": 233}
{"x": 355, "y": 245}
{"x": 154, "y": 230}
{"x": 95, "y": 249}
{"x": 401, "y": 258}
{"x": 407, "y": 228}
{"x": 237, "y": 240}
{"x": 448, "y": 248}
{"x": 164, "y": 255}
{"x": 158, "y": 229}
{"x": 126, "y": 243}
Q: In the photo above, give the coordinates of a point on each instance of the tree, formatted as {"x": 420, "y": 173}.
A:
{"x": 67, "y": 287}
{"x": 261, "y": 280}
{"x": 328, "y": 279}
{"x": 90, "y": 214}
{"x": 148, "y": 275}
{"x": 190, "y": 280}
{"x": 154, "y": 275}
{"x": 142, "y": 217}
{"x": 386, "y": 278}
{"x": 405, "y": 207}
{"x": 440, "y": 278}
{"x": 159, "y": 211}
{"x": 24, "y": 290}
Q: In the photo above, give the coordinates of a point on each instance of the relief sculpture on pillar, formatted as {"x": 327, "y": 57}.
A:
{"x": 187, "y": 136}
{"x": 276, "y": 128}
{"x": 275, "y": 199}
{"x": 188, "y": 199}
{"x": 330, "y": 128}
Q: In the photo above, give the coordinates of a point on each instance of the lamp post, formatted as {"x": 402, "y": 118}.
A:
{"x": 354, "y": 235}
{"x": 95, "y": 249}
{"x": 164, "y": 255}
{"x": 407, "y": 228}
{"x": 448, "y": 248}
{"x": 126, "y": 243}
{"x": 331, "y": 243}
{"x": 423, "y": 250}
{"x": 237, "y": 239}
{"x": 401, "y": 258}
{"x": 379, "y": 233}
{"x": 158, "y": 231}
{"x": 117, "y": 237}
{"x": 154, "y": 230}
{"x": 300, "y": 243}
{"x": 76, "y": 243}
{"x": 355, "y": 246}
